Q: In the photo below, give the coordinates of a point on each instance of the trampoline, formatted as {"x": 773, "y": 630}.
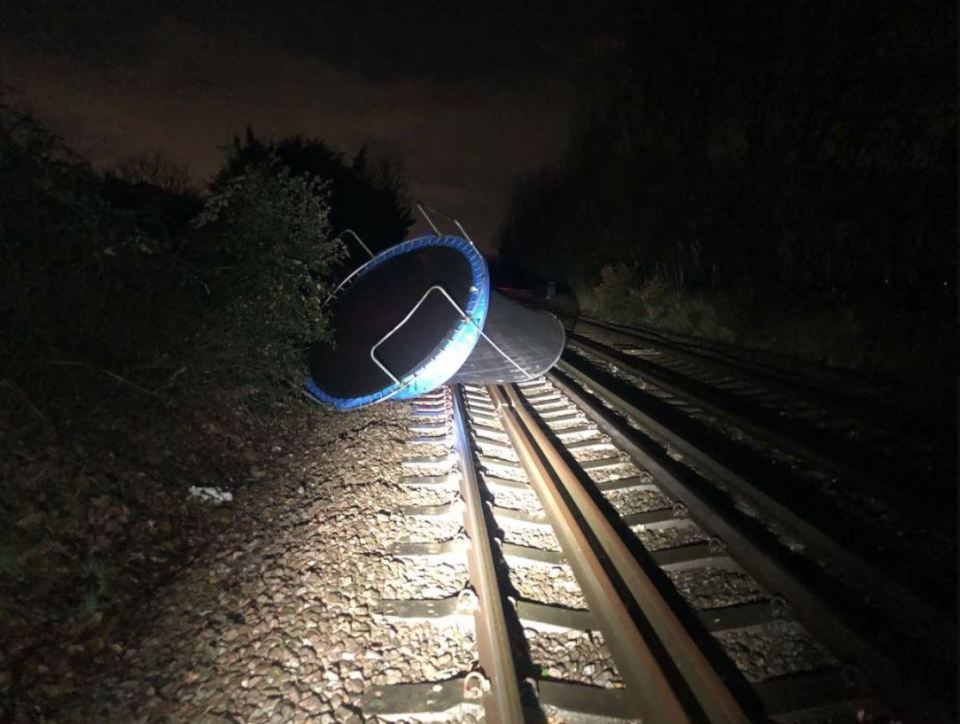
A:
{"x": 418, "y": 315}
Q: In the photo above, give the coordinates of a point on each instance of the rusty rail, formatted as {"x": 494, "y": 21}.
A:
{"x": 822, "y": 611}
{"x": 685, "y": 686}
{"x": 501, "y": 699}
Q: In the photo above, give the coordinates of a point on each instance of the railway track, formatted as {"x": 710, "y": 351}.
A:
{"x": 610, "y": 581}
{"x": 870, "y": 507}
{"x": 856, "y": 483}
{"x": 846, "y": 422}
{"x": 833, "y": 389}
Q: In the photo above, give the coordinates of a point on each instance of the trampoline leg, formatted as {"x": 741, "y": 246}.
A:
{"x": 463, "y": 315}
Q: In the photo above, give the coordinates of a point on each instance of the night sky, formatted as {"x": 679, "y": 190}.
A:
{"x": 464, "y": 95}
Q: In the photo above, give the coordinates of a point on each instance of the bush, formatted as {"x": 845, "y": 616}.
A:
{"x": 269, "y": 260}
{"x": 881, "y": 336}
{"x": 366, "y": 196}
{"x": 108, "y": 290}
{"x": 624, "y": 295}
{"x": 80, "y": 276}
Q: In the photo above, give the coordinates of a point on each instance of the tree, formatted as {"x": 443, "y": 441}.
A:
{"x": 800, "y": 144}
{"x": 370, "y": 199}
{"x": 269, "y": 260}
{"x": 156, "y": 170}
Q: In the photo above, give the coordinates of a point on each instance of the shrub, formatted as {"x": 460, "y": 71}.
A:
{"x": 268, "y": 257}
{"x": 107, "y": 288}
{"x": 883, "y": 338}
{"x": 625, "y": 295}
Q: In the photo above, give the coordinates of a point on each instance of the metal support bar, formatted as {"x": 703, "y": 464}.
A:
{"x": 352, "y": 274}
{"x": 463, "y": 315}
{"x": 358, "y": 240}
{"x": 423, "y": 208}
{"x": 425, "y": 215}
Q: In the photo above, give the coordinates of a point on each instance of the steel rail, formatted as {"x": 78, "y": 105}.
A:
{"x": 692, "y": 691}
{"x": 781, "y": 381}
{"x": 759, "y": 554}
{"x": 782, "y": 432}
{"x": 848, "y": 460}
{"x": 502, "y": 702}
{"x": 924, "y": 622}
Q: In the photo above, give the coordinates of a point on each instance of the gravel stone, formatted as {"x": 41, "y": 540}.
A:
{"x": 626, "y": 469}
{"x": 525, "y": 500}
{"x": 407, "y": 578}
{"x": 576, "y": 656}
{"x": 637, "y": 500}
{"x": 555, "y": 585}
{"x": 532, "y": 536}
{"x": 681, "y": 534}
{"x": 776, "y": 649}
{"x": 491, "y": 466}
{"x": 713, "y": 587}
{"x": 277, "y": 620}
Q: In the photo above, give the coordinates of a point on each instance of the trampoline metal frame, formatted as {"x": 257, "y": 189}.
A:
{"x": 352, "y": 274}
{"x": 463, "y": 315}
{"x": 359, "y": 240}
{"x": 415, "y": 378}
{"x": 423, "y": 208}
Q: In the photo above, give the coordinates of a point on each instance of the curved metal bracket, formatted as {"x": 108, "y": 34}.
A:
{"x": 358, "y": 240}
{"x": 463, "y": 315}
{"x": 423, "y": 209}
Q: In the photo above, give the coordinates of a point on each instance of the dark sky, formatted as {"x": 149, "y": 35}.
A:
{"x": 465, "y": 94}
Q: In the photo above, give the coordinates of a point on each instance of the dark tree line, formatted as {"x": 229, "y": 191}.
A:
{"x": 799, "y": 144}
{"x": 368, "y": 197}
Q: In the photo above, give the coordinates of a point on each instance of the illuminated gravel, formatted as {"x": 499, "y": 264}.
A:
{"x": 626, "y": 469}
{"x": 599, "y": 453}
{"x": 573, "y": 656}
{"x": 554, "y": 585}
{"x": 560, "y": 425}
{"x": 498, "y": 469}
{"x": 713, "y": 587}
{"x": 637, "y": 500}
{"x": 571, "y": 437}
{"x": 491, "y": 449}
{"x": 525, "y": 500}
{"x": 531, "y": 536}
{"x": 418, "y": 529}
{"x": 450, "y": 650}
{"x": 407, "y": 578}
{"x": 425, "y": 495}
{"x": 776, "y": 649}
{"x": 685, "y": 533}
{"x": 278, "y": 621}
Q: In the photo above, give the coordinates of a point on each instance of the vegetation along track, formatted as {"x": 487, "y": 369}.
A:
{"x": 607, "y": 580}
